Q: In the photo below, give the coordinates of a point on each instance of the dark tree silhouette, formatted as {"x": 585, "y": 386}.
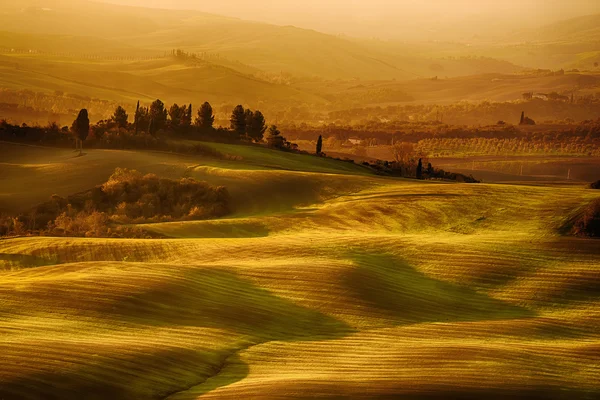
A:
{"x": 522, "y": 118}
{"x": 158, "y": 113}
{"x": 136, "y": 116}
{"x": 275, "y": 139}
{"x": 420, "y": 169}
{"x": 120, "y": 117}
{"x": 429, "y": 169}
{"x": 176, "y": 115}
{"x": 248, "y": 115}
{"x": 238, "y": 121}
{"x": 256, "y": 127}
{"x": 186, "y": 119}
{"x": 319, "y": 145}
{"x": 81, "y": 129}
{"x": 205, "y": 119}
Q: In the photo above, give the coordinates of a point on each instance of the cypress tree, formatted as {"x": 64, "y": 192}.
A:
{"x": 319, "y": 145}
{"x": 420, "y": 169}
{"x": 81, "y": 128}
{"x": 137, "y": 111}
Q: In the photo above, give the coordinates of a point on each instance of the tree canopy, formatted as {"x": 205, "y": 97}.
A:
{"x": 238, "y": 120}
{"x": 120, "y": 117}
{"x": 205, "y": 118}
{"x": 81, "y": 125}
{"x": 256, "y": 126}
{"x": 158, "y": 114}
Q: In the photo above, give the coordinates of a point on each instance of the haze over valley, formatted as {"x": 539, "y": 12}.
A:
{"x": 295, "y": 200}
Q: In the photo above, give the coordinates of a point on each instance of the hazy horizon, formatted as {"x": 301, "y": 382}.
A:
{"x": 388, "y": 19}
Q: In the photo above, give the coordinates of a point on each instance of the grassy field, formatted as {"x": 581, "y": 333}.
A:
{"x": 326, "y": 282}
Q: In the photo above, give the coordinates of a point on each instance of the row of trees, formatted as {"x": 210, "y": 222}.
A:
{"x": 245, "y": 124}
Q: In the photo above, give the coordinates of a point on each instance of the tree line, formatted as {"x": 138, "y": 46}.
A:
{"x": 158, "y": 120}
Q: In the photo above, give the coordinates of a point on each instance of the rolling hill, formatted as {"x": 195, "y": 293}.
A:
{"x": 128, "y": 81}
{"x": 273, "y": 49}
{"x": 326, "y": 282}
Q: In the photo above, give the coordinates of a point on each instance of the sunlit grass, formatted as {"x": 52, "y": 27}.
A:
{"x": 324, "y": 282}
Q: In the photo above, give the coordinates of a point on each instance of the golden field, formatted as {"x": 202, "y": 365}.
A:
{"x": 325, "y": 282}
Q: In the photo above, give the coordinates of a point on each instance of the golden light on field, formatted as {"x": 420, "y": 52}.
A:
{"x": 331, "y": 199}
{"x": 386, "y": 288}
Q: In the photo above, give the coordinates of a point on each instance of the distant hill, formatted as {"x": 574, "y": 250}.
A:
{"x": 167, "y": 78}
{"x": 585, "y": 28}
{"x": 95, "y": 28}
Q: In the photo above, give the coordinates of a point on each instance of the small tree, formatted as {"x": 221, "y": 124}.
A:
{"x": 257, "y": 126}
{"x": 319, "y": 145}
{"x": 186, "y": 119}
{"x": 120, "y": 117}
{"x": 275, "y": 139}
{"x": 205, "y": 119}
{"x": 81, "y": 129}
{"x": 158, "y": 113}
{"x": 403, "y": 152}
{"x": 143, "y": 118}
{"x": 176, "y": 115}
{"x": 238, "y": 120}
{"x": 420, "y": 169}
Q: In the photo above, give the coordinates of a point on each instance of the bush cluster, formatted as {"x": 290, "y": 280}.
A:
{"x": 128, "y": 197}
{"x": 588, "y": 222}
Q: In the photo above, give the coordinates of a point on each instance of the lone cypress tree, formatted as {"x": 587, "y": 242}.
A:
{"x": 136, "y": 117}
{"x": 81, "y": 128}
{"x": 420, "y": 169}
{"x": 319, "y": 145}
{"x": 522, "y": 118}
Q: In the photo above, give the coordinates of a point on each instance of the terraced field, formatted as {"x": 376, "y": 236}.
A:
{"x": 326, "y": 282}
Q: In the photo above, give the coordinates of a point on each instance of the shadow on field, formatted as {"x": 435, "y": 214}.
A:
{"x": 8, "y": 260}
{"x": 205, "y": 298}
{"x": 219, "y": 299}
{"x": 141, "y": 375}
{"x": 219, "y": 229}
{"x": 404, "y": 295}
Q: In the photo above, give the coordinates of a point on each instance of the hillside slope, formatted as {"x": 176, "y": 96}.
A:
{"x": 128, "y": 81}
{"x": 356, "y": 287}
